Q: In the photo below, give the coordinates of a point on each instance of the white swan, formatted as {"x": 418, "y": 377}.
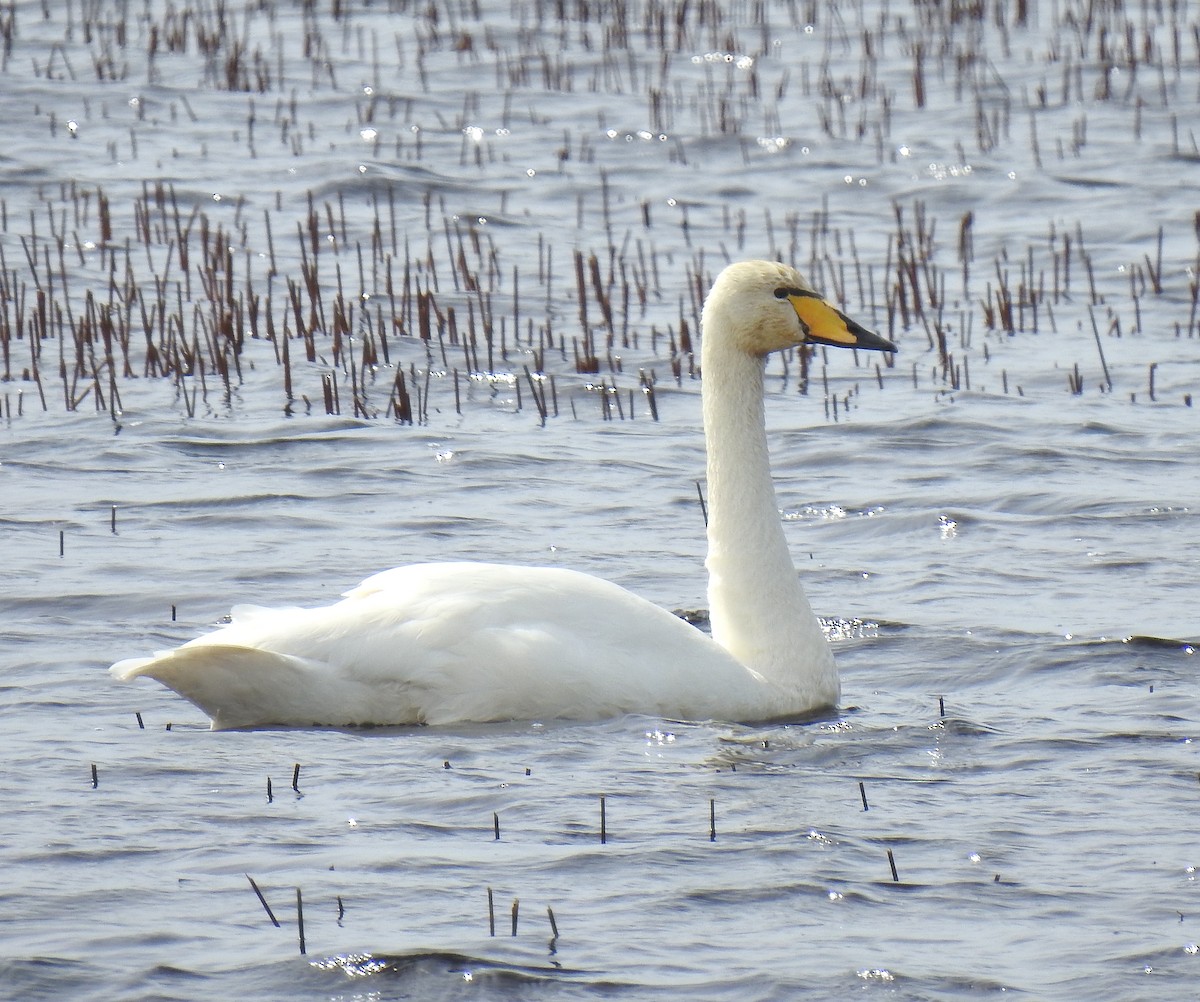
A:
{"x": 450, "y": 642}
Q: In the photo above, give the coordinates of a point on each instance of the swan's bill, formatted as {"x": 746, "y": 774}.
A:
{"x": 824, "y": 324}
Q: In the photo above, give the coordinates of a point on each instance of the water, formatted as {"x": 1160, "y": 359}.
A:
{"x": 1008, "y": 566}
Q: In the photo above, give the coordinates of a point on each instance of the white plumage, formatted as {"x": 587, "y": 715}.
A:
{"x": 451, "y": 642}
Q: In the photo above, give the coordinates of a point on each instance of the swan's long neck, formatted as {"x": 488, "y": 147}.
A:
{"x": 758, "y": 610}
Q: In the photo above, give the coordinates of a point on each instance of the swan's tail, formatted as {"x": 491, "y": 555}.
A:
{"x": 243, "y": 686}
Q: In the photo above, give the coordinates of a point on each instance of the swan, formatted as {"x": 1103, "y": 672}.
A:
{"x": 442, "y": 643}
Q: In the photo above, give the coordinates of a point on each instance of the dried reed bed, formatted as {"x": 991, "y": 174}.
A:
{"x": 380, "y": 297}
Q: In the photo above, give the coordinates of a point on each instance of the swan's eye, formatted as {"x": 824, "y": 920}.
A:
{"x": 781, "y": 293}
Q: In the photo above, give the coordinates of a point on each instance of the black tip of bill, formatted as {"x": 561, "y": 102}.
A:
{"x": 868, "y": 340}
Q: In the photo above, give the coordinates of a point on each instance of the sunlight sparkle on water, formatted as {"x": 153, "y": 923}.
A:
{"x": 841, "y": 628}
{"x": 941, "y": 171}
{"x": 353, "y": 965}
{"x": 742, "y": 62}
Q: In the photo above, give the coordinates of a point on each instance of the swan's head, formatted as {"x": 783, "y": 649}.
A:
{"x": 764, "y": 306}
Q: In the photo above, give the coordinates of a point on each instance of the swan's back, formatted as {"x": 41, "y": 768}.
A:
{"x": 439, "y": 643}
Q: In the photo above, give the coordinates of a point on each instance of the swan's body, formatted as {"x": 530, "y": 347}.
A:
{"x": 451, "y": 642}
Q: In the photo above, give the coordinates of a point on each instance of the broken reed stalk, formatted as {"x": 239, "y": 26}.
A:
{"x": 1100, "y": 349}
{"x": 538, "y": 398}
{"x": 496, "y": 824}
{"x": 95, "y": 777}
{"x": 892, "y": 864}
{"x": 491, "y": 913}
{"x": 270, "y": 793}
{"x": 516, "y": 908}
{"x": 300, "y": 921}
{"x": 296, "y": 777}
{"x": 553, "y": 924}
{"x": 862, "y": 792}
{"x": 263, "y": 901}
{"x": 603, "y": 823}
{"x": 712, "y": 819}
{"x": 141, "y": 725}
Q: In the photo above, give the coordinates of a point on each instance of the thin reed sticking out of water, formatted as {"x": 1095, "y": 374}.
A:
{"x": 263, "y": 901}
